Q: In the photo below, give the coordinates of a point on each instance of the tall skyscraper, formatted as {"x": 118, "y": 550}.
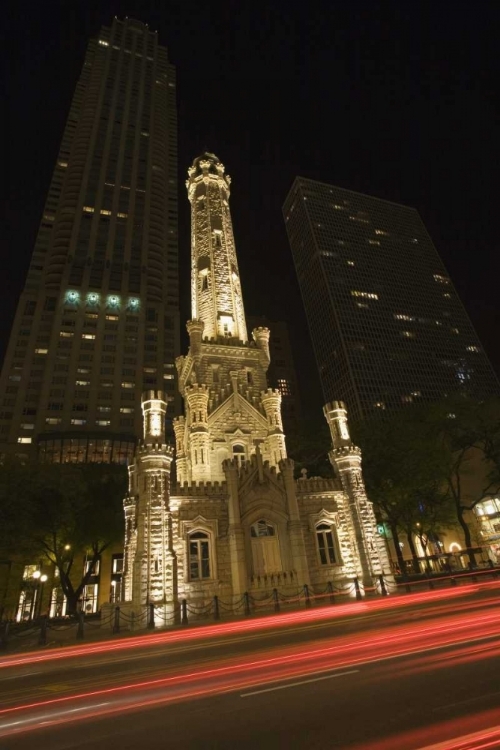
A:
{"x": 386, "y": 322}
{"x": 97, "y": 321}
{"x": 282, "y": 374}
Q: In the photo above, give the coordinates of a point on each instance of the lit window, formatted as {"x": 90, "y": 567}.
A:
{"x": 168, "y": 376}
{"x": 367, "y": 295}
{"x": 402, "y": 316}
{"x": 284, "y": 387}
{"x": 104, "y": 408}
{"x": 79, "y": 421}
{"x": 379, "y": 405}
{"x": 127, "y": 384}
{"x": 381, "y": 231}
{"x": 455, "y": 330}
{"x": 83, "y": 370}
{"x": 447, "y": 295}
{"x": 62, "y": 164}
{"x": 126, "y": 410}
{"x": 408, "y": 334}
{"x": 326, "y": 546}
{"x": 199, "y": 556}
{"x": 41, "y": 351}
{"x": 82, "y": 382}
{"x": 373, "y": 242}
{"x": 105, "y": 212}
{"x": 112, "y": 317}
{"x": 15, "y": 377}
{"x": 66, "y": 334}
{"x": 53, "y": 420}
{"x": 337, "y": 207}
{"x": 363, "y": 304}
{"x": 88, "y": 209}
{"x": 416, "y": 393}
{"x": 88, "y": 336}
{"x": 441, "y": 279}
{"x": 121, "y": 216}
{"x": 351, "y": 263}
{"x": 103, "y": 422}
{"x": 24, "y": 439}
{"x": 103, "y": 43}
{"x": 472, "y": 348}
{"x": 28, "y": 426}
{"x": 407, "y": 399}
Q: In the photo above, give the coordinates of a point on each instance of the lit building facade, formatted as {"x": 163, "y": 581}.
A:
{"x": 387, "y": 325}
{"x": 236, "y": 520}
{"x": 97, "y": 321}
{"x": 281, "y": 373}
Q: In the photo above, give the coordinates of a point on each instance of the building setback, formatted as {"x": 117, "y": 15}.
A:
{"x": 386, "y": 322}
{"x": 97, "y": 321}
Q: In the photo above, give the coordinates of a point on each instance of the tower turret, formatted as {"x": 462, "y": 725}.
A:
{"x": 154, "y": 408}
{"x": 216, "y": 297}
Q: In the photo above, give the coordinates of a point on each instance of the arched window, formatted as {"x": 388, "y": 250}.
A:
{"x": 239, "y": 453}
{"x": 326, "y": 545}
{"x": 262, "y": 528}
{"x": 199, "y": 556}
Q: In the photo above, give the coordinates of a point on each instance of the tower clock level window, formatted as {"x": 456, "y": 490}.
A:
{"x": 199, "y": 556}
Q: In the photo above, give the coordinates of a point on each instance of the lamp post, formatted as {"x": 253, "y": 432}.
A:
{"x": 39, "y": 579}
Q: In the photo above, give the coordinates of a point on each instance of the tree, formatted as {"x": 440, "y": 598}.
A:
{"x": 470, "y": 433}
{"x": 62, "y": 511}
{"x": 405, "y": 470}
{"x": 310, "y": 447}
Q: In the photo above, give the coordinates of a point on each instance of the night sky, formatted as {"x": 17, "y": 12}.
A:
{"x": 399, "y": 100}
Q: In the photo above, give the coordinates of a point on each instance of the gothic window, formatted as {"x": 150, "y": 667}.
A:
{"x": 266, "y": 557}
{"x": 239, "y": 453}
{"x": 326, "y": 545}
{"x": 204, "y": 283}
{"x": 199, "y": 556}
{"x": 249, "y": 377}
{"x": 215, "y": 374}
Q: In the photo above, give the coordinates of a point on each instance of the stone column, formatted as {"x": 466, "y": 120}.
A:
{"x": 199, "y": 438}
{"x": 239, "y": 574}
{"x": 276, "y": 448}
{"x": 296, "y": 532}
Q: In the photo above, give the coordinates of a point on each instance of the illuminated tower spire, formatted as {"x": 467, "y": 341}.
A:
{"x": 216, "y": 297}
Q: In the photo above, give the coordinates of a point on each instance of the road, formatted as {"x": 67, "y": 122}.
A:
{"x": 398, "y": 673}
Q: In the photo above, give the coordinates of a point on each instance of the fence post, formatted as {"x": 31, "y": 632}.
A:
{"x": 184, "y": 612}
{"x": 116, "y": 623}
{"x": 79, "y": 631}
{"x": 306, "y": 594}
{"x": 42, "y": 639}
{"x": 4, "y": 634}
{"x": 359, "y": 595}
{"x": 151, "y": 616}
{"x": 276, "y": 600}
{"x": 329, "y": 586}
{"x": 216, "y": 608}
{"x": 383, "y": 588}
{"x": 247, "y": 602}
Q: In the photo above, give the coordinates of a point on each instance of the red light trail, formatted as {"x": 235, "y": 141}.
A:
{"x": 250, "y": 626}
{"x": 276, "y": 666}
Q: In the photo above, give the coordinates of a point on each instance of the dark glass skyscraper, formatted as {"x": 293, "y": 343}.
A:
{"x": 97, "y": 321}
{"x": 387, "y": 325}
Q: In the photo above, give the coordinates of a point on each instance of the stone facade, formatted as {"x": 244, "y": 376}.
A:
{"x": 236, "y": 520}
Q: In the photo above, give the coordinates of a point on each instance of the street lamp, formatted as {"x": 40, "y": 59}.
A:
{"x": 39, "y": 579}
